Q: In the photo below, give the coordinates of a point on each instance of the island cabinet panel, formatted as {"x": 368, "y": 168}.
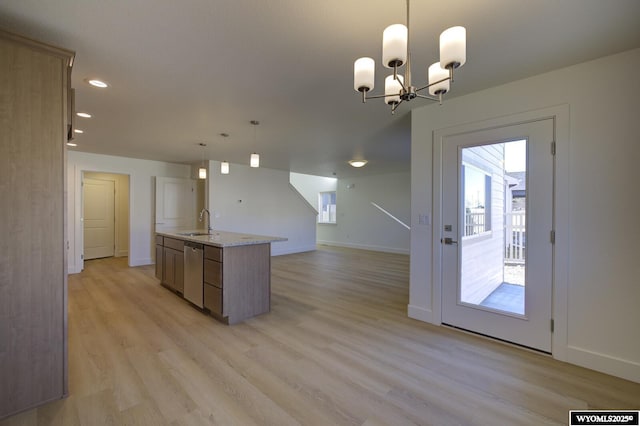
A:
{"x": 34, "y": 88}
{"x": 246, "y": 273}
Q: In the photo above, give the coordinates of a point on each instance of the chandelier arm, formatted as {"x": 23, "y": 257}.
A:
{"x": 431, "y": 98}
{"x": 433, "y": 84}
{"x": 379, "y": 96}
{"x": 395, "y": 106}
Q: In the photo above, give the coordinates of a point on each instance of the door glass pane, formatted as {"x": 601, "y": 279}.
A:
{"x": 493, "y": 218}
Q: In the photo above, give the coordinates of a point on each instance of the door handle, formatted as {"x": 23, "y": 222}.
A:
{"x": 448, "y": 241}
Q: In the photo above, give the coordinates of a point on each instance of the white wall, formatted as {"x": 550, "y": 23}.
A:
{"x": 141, "y": 200}
{"x": 361, "y": 225}
{"x": 596, "y": 251}
{"x": 261, "y": 201}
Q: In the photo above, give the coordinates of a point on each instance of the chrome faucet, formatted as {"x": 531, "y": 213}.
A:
{"x": 209, "y": 229}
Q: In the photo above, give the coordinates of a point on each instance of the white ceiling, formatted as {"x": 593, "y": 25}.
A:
{"x": 182, "y": 72}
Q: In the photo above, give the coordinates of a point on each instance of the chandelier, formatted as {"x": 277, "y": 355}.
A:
{"x": 396, "y": 53}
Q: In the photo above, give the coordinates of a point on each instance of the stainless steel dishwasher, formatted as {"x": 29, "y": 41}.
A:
{"x": 193, "y": 273}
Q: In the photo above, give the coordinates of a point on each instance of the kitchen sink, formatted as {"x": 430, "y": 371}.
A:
{"x": 193, "y": 234}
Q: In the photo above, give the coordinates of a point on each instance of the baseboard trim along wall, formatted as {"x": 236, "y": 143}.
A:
{"x": 623, "y": 368}
{"x": 365, "y": 247}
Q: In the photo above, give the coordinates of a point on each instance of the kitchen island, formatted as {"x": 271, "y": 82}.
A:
{"x": 226, "y": 274}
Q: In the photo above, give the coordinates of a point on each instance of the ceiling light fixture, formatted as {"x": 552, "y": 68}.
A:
{"x": 98, "y": 83}
{"x": 396, "y": 53}
{"x": 83, "y": 114}
{"x": 255, "y": 158}
{"x": 224, "y": 168}
{"x": 202, "y": 171}
{"x": 357, "y": 163}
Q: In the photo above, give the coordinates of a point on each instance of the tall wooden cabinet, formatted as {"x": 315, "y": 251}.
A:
{"x": 34, "y": 80}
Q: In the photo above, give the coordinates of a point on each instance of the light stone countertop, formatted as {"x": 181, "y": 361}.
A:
{"x": 219, "y": 238}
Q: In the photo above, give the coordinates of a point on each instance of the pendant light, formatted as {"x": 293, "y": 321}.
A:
{"x": 255, "y": 158}
{"x": 224, "y": 168}
{"x": 202, "y": 171}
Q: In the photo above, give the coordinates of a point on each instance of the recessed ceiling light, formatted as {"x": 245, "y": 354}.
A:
{"x": 357, "y": 163}
{"x": 71, "y": 144}
{"x": 83, "y": 114}
{"x": 97, "y": 83}
{"x": 78, "y": 131}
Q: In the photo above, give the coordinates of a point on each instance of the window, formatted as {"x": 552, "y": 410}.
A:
{"x": 327, "y": 207}
{"x": 477, "y": 201}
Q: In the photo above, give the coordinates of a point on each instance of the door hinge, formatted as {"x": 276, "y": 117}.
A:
{"x": 553, "y": 148}
{"x": 552, "y": 325}
{"x": 82, "y": 256}
{"x": 552, "y": 237}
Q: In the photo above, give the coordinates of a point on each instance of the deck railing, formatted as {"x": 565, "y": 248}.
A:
{"x": 515, "y": 237}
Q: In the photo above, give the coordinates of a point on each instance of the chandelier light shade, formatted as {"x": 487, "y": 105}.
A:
{"x": 453, "y": 47}
{"x": 394, "y": 45}
{"x": 396, "y": 54}
{"x": 224, "y": 168}
{"x": 392, "y": 88}
{"x": 438, "y": 77}
{"x": 364, "y": 74}
{"x": 255, "y": 160}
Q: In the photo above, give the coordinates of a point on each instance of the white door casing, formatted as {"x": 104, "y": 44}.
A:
{"x": 533, "y": 329}
{"x": 99, "y": 218}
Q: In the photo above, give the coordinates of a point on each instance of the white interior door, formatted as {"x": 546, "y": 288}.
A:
{"x": 497, "y": 210}
{"x": 175, "y": 203}
{"x": 99, "y": 218}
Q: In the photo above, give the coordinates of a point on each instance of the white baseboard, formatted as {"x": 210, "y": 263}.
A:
{"x": 141, "y": 261}
{"x": 608, "y": 364}
{"x": 365, "y": 247}
{"x": 122, "y": 253}
{"x": 421, "y": 314}
{"x": 280, "y": 252}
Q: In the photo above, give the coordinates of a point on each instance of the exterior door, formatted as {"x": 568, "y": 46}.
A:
{"x": 497, "y": 210}
{"x": 99, "y": 218}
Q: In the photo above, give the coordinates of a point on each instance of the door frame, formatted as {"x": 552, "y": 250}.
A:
{"x": 79, "y": 208}
{"x": 560, "y": 115}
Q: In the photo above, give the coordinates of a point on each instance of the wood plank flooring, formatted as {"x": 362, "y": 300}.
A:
{"x": 337, "y": 348}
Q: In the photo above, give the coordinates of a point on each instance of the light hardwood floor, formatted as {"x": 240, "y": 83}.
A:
{"x": 337, "y": 348}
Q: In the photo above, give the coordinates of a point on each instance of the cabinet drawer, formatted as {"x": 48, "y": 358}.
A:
{"x": 213, "y": 253}
{"x": 213, "y": 272}
{"x": 213, "y": 299}
{"x": 159, "y": 240}
{"x": 173, "y": 243}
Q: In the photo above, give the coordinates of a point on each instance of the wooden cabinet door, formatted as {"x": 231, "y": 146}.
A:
{"x": 159, "y": 262}
{"x": 169, "y": 270}
{"x": 178, "y": 278}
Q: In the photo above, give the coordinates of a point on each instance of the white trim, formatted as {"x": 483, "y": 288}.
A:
{"x": 141, "y": 261}
{"x": 560, "y": 114}
{"x": 422, "y": 314}
{"x": 382, "y": 249}
{"x": 619, "y": 367}
{"x": 290, "y": 250}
